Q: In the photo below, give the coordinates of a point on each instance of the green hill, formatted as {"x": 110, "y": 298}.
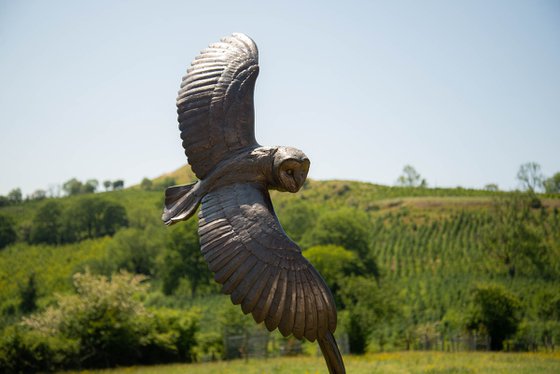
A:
{"x": 408, "y": 266}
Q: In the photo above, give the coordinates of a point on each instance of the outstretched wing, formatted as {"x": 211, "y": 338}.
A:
{"x": 259, "y": 266}
{"x": 215, "y": 102}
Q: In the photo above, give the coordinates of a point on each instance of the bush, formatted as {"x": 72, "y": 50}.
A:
{"x": 172, "y": 336}
{"x": 497, "y": 311}
{"x": 26, "y": 351}
{"x": 105, "y": 325}
{"x": 7, "y": 231}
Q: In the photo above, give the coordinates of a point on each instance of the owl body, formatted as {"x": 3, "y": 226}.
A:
{"x": 241, "y": 238}
{"x": 279, "y": 168}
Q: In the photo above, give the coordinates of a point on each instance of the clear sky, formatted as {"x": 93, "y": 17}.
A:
{"x": 463, "y": 91}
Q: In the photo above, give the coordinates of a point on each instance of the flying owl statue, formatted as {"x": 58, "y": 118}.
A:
{"x": 241, "y": 238}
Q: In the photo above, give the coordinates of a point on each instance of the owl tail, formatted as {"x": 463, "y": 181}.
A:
{"x": 180, "y": 203}
{"x": 332, "y": 354}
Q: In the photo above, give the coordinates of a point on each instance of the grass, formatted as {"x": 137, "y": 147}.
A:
{"x": 394, "y": 362}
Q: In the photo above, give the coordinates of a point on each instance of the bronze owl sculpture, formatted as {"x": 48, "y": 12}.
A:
{"x": 240, "y": 236}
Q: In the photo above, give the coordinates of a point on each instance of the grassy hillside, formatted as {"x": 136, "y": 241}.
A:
{"x": 411, "y": 262}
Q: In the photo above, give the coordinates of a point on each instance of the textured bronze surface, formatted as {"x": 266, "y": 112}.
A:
{"x": 240, "y": 236}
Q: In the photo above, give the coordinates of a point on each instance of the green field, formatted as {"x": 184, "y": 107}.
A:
{"x": 411, "y": 269}
{"x": 394, "y": 362}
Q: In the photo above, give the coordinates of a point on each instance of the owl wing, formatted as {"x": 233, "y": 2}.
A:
{"x": 259, "y": 266}
{"x": 215, "y": 102}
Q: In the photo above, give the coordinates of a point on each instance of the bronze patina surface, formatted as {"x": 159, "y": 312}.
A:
{"x": 240, "y": 236}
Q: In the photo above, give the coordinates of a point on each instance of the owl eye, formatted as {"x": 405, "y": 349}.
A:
{"x": 290, "y": 172}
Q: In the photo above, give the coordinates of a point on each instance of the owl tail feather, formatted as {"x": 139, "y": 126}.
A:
{"x": 332, "y": 354}
{"x": 180, "y": 203}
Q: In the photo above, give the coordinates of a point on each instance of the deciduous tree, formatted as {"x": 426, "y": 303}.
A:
{"x": 530, "y": 176}
{"x": 552, "y": 184}
{"x": 411, "y": 178}
{"x": 496, "y": 310}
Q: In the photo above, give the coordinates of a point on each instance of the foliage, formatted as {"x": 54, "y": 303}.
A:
{"x": 92, "y": 217}
{"x": 47, "y": 224}
{"x": 7, "y": 231}
{"x": 516, "y": 236}
{"x": 182, "y": 259}
{"x": 26, "y": 351}
{"x": 28, "y": 295}
{"x": 334, "y": 263}
{"x": 530, "y": 176}
{"x": 497, "y": 311}
{"x": 117, "y": 184}
{"x": 297, "y": 219}
{"x": 38, "y": 195}
{"x": 370, "y": 308}
{"x": 75, "y": 187}
{"x": 146, "y": 184}
{"x": 345, "y": 227}
{"x": 15, "y": 196}
{"x": 552, "y": 184}
{"x": 411, "y": 178}
{"x": 135, "y": 250}
{"x": 110, "y": 326}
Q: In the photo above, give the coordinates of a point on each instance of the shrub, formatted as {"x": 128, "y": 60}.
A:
{"x": 22, "y": 350}
{"x": 7, "y": 231}
{"x": 109, "y": 326}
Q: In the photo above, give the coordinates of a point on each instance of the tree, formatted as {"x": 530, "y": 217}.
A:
{"x": 72, "y": 187}
{"x": 7, "y": 231}
{"x": 103, "y": 316}
{"x": 28, "y": 295}
{"x": 92, "y": 217}
{"x": 47, "y": 224}
{"x": 491, "y": 187}
{"x": 552, "y": 184}
{"x": 530, "y": 176}
{"x": 118, "y": 184}
{"x": 348, "y": 228}
{"x": 497, "y": 311}
{"x": 135, "y": 250}
{"x": 38, "y": 195}
{"x": 345, "y": 227}
{"x": 411, "y": 178}
{"x": 183, "y": 259}
{"x": 90, "y": 186}
{"x": 334, "y": 263}
{"x": 297, "y": 218}
{"x": 146, "y": 184}
{"x": 107, "y": 184}
{"x": 15, "y": 196}
{"x": 370, "y": 308}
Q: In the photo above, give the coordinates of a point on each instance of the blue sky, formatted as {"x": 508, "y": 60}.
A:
{"x": 464, "y": 91}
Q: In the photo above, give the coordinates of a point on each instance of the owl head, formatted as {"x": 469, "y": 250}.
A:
{"x": 289, "y": 169}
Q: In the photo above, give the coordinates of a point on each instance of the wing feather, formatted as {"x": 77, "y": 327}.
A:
{"x": 259, "y": 266}
{"x": 286, "y": 325}
{"x": 278, "y": 304}
{"x": 215, "y": 102}
{"x": 299, "y": 323}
